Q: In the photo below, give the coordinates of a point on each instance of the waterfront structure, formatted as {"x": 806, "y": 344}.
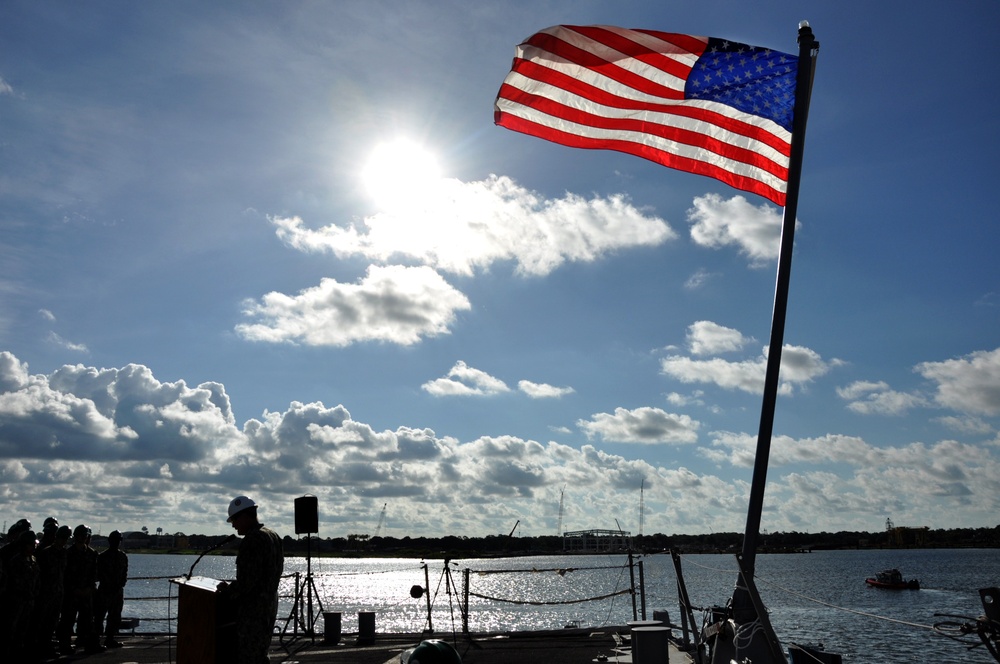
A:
{"x": 597, "y": 541}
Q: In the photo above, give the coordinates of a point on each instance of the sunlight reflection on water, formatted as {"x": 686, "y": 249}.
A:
{"x": 950, "y": 578}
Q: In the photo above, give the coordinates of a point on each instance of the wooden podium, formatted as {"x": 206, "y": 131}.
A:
{"x": 206, "y": 632}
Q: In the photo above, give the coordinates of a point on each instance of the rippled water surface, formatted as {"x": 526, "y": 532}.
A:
{"x": 813, "y": 598}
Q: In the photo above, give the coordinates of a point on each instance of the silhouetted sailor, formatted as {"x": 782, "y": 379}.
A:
{"x": 52, "y": 568}
{"x": 254, "y": 594}
{"x": 112, "y": 575}
{"x": 78, "y": 600}
{"x": 22, "y": 587}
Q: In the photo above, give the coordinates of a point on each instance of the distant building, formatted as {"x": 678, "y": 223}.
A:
{"x": 135, "y": 539}
{"x": 597, "y": 541}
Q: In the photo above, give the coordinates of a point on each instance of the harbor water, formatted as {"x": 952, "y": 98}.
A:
{"x": 812, "y": 598}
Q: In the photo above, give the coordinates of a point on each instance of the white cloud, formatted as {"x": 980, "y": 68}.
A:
{"x": 869, "y": 398}
{"x": 46, "y": 314}
{"x": 969, "y": 425}
{"x": 5, "y": 88}
{"x": 707, "y": 338}
{"x": 68, "y": 345}
{"x": 393, "y": 304}
{"x": 694, "y": 399}
{"x": 463, "y": 380}
{"x": 642, "y": 425}
{"x": 134, "y": 442}
{"x": 756, "y": 231}
{"x": 799, "y": 365}
{"x": 969, "y": 385}
{"x": 469, "y": 226}
{"x": 542, "y": 390}
{"x": 82, "y": 413}
{"x": 699, "y": 279}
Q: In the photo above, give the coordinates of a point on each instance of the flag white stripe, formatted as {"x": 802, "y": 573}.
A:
{"x": 627, "y": 62}
{"x": 641, "y": 138}
{"x": 561, "y": 96}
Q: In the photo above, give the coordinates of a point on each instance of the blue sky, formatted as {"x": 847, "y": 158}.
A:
{"x": 207, "y": 289}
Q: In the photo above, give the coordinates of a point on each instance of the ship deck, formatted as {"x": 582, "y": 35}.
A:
{"x": 569, "y": 646}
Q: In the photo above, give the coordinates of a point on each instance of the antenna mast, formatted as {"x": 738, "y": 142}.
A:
{"x": 642, "y": 507}
{"x": 562, "y": 493}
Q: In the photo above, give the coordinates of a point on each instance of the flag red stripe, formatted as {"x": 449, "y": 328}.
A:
{"x": 579, "y": 88}
{"x": 668, "y": 132}
{"x": 670, "y": 160}
{"x": 589, "y": 60}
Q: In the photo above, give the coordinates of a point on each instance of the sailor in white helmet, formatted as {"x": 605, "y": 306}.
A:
{"x": 254, "y": 595}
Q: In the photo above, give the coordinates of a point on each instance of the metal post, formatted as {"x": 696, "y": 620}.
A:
{"x": 803, "y": 87}
{"x": 631, "y": 574}
{"x": 465, "y": 601}
{"x": 427, "y": 586}
{"x": 642, "y": 590}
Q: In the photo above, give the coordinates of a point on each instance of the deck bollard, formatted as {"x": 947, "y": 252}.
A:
{"x": 663, "y": 616}
{"x": 366, "y": 628}
{"x": 650, "y": 645}
{"x": 331, "y": 628}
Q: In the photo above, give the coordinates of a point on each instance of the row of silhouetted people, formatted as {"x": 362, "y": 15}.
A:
{"x": 55, "y": 586}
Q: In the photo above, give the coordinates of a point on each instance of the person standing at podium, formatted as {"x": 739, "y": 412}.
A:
{"x": 254, "y": 595}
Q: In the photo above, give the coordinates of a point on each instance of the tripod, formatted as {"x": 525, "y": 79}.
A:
{"x": 304, "y": 594}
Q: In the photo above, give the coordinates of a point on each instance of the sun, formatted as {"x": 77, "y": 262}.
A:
{"x": 400, "y": 173}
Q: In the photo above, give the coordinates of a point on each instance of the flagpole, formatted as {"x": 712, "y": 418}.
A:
{"x": 808, "y": 47}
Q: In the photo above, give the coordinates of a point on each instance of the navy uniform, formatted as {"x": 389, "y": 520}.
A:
{"x": 52, "y": 570}
{"x": 78, "y": 598}
{"x": 22, "y": 585}
{"x": 9, "y": 602}
{"x": 112, "y": 575}
{"x": 254, "y": 595}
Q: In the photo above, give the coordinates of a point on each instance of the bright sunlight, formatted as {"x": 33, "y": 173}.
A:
{"x": 400, "y": 173}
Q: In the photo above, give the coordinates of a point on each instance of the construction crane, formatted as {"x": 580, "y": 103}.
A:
{"x": 381, "y": 520}
{"x": 510, "y": 535}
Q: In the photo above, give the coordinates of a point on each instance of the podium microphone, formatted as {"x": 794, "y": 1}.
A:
{"x": 209, "y": 550}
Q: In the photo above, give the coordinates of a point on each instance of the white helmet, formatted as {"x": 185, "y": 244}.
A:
{"x": 238, "y": 504}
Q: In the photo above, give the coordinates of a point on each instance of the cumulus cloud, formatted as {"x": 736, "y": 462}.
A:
{"x": 707, "y": 338}
{"x": 642, "y": 425}
{"x": 134, "y": 441}
{"x": 82, "y": 413}
{"x": 543, "y": 390}
{"x": 926, "y": 481}
{"x": 392, "y": 304}
{"x": 755, "y": 231}
{"x": 471, "y": 225}
{"x": 970, "y": 384}
{"x": 870, "y": 398}
{"x": 463, "y": 380}
{"x": 799, "y": 366}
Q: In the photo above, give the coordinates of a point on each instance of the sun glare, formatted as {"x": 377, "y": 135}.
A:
{"x": 400, "y": 173}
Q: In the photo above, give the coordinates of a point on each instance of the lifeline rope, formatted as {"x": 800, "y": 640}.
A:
{"x": 841, "y": 608}
{"x": 559, "y": 570}
{"x": 817, "y": 601}
{"x": 534, "y": 603}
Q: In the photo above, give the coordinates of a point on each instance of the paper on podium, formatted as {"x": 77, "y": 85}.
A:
{"x": 199, "y": 582}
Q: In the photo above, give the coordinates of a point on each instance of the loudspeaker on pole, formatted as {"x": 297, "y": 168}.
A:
{"x": 306, "y": 515}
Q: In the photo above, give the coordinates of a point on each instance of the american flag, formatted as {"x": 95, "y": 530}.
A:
{"x": 698, "y": 104}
